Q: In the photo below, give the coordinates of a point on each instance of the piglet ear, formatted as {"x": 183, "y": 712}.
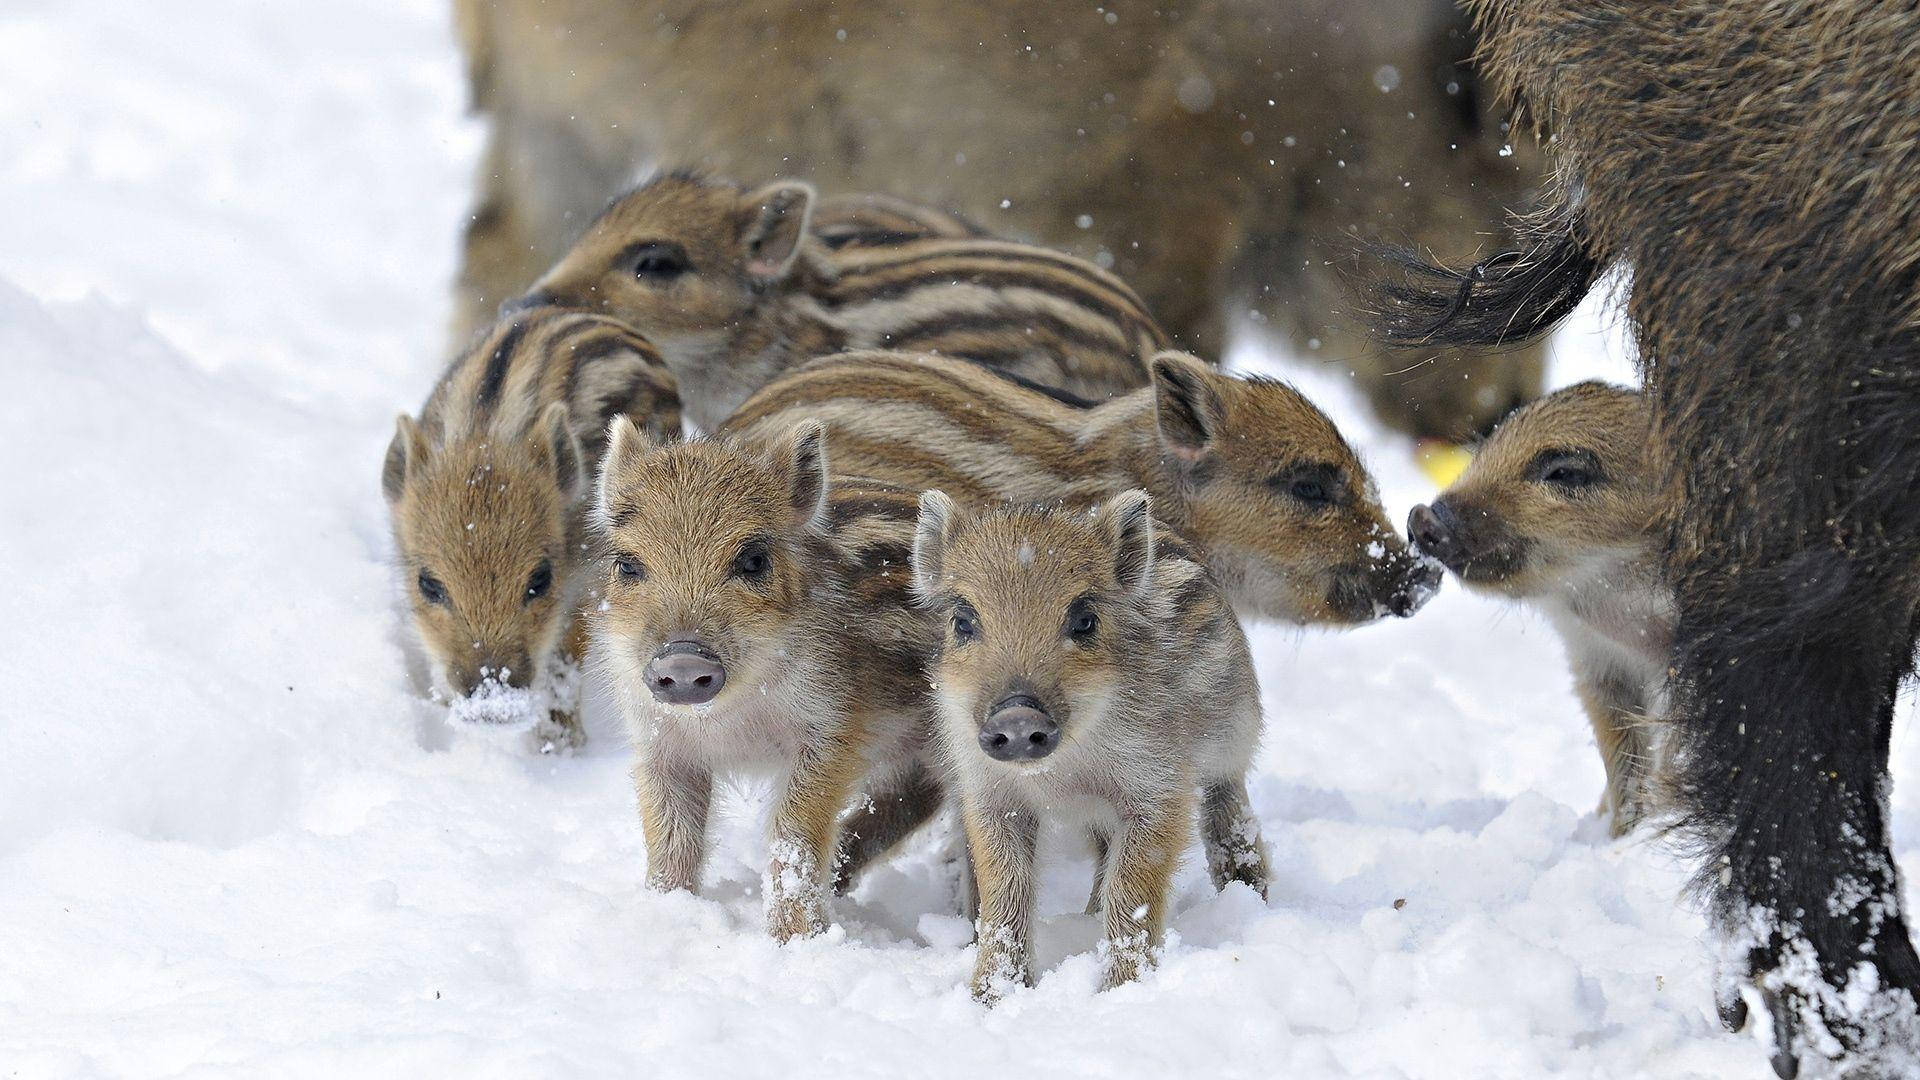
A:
{"x": 937, "y": 518}
{"x": 556, "y": 429}
{"x": 1129, "y": 520}
{"x": 777, "y": 220}
{"x": 808, "y": 445}
{"x": 1187, "y": 403}
{"x": 404, "y": 455}
{"x": 626, "y": 444}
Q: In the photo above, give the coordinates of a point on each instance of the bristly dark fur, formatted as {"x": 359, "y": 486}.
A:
{"x": 1756, "y": 163}
{"x": 1509, "y": 298}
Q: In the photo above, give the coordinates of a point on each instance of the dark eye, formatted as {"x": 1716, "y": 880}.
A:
{"x": 1313, "y": 486}
{"x": 629, "y": 568}
{"x": 431, "y": 589}
{"x": 540, "y": 581}
{"x": 966, "y": 623}
{"x": 1082, "y": 620}
{"x": 753, "y": 561}
{"x": 660, "y": 262}
{"x": 1568, "y": 471}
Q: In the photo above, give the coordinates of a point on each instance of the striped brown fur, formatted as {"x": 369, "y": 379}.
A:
{"x": 864, "y": 220}
{"x": 1092, "y": 672}
{"x": 487, "y": 494}
{"x": 737, "y": 287}
{"x": 797, "y": 594}
{"x": 1247, "y": 471}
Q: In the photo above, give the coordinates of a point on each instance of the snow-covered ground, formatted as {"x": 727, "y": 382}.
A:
{"x": 234, "y": 841}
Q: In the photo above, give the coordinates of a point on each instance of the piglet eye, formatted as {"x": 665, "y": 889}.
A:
{"x": 629, "y": 568}
{"x": 1309, "y": 491}
{"x": 966, "y": 623}
{"x": 540, "y": 581}
{"x": 430, "y": 588}
{"x": 1082, "y": 620}
{"x": 1568, "y": 470}
{"x": 660, "y": 263}
{"x": 753, "y": 561}
{"x": 1568, "y": 476}
{"x": 1315, "y": 487}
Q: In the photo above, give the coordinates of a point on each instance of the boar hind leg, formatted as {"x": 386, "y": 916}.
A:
{"x": 1145, "y": 851}
{"x": 1784, "y": 773}
{"x": 673, "y": 799}
{"x": 890, "y": 814}
{"x": 1231, "y": 835}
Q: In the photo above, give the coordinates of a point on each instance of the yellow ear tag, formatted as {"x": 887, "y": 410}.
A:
{"x": 1442, "y": 461}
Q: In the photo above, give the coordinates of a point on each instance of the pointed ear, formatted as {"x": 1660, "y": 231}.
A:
{"x": 404, "y": 454}
{"x": 808, "y": 445}
{"x": 1129, "y": 520}
{"x": 777, "y": 220}
{"x": 937, "y": 518}
{"x": 626, "y": 443}
{"x": 556, "y": 427}
{"x": 1187, "y": 403}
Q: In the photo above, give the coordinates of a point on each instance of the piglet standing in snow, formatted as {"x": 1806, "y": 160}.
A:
{"x": 1260, "y": 483}
{"x": 757, "y": 621}
{"x": 1093, "y": 669}
{"x": 488, "y": 494}
{"x": 1560, "y": 509}
{"x": 737, "y": 289}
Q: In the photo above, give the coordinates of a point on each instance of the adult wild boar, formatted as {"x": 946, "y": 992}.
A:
{"x": 1756, "y": 164}
{"x": 1210, "y": 153}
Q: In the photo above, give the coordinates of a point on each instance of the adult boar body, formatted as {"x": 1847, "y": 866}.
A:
{"x": 1756, "y": 165}
{"x": 1211, "y": 153}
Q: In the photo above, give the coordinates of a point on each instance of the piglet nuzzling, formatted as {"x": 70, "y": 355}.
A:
{"x": 1560, "y": 510}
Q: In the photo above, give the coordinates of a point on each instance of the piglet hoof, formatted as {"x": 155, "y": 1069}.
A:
{"x": 669, "y": 882}
{"x": 1001, "y": 965}
{"x": 993, "y": 980}
{"x": 792, "y": 919}
{"x": 1251, "y": 874}
{"x": 1119, "y": 973}
{"x": 987, "y": 992}
{"x": 559, "y": 733}
{"x": 1125, "y": 964}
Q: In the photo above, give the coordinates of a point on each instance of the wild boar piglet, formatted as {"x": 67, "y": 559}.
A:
{"x": 757, "y": 622}
{"x": 737, "y": 288}
{"x": 1560, "y": 510}
{"x": 488, "y": 495}
{"x": 1092, "y": 672}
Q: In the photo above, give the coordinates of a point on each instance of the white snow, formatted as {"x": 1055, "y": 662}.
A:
{"x": 236, "y": 840}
